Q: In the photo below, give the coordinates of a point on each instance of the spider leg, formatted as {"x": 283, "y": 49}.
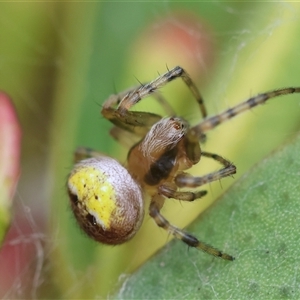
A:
{"x": 139, "y": 122}
{"x": 115, "y": 99}
{"x": 170, "y": 191}
{"x": 192, "y": 147}
{"x": 136, "y": 95}
{"x": 143, "y": 120}
{"x": 187, "y": 180}
{"x": 187, "y": 238}
{"x": 135, "y": 122}
{"x": 218, "y": 119}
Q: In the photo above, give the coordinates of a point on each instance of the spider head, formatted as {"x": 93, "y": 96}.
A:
{"x": 165, "y": 134}
{"x": 106, "y": 201}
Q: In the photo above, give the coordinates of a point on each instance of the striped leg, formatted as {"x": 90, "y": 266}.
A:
{"x": 144, "y": 90}
{"x": 187, "y": 238}
{"x": 133, "y": 121}
{"x": 216, "y": 120}
{"x": 187, "y": 180}
{"x": 170, "y": 191}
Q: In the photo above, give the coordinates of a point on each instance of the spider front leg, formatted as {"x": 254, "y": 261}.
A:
{"x": 187, "y": 180}
{"x": 138, "y": 123}
{"x": 190, "y": 240}
{"x": 144, "y": 90}
{"x": 212, "y": 122}
{"x": 116, "y": 108}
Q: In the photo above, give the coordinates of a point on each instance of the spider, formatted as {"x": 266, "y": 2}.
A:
{"x": 108, "y": 199}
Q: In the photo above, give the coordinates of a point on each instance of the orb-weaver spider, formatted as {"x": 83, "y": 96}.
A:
{"x": 107, "y": 198}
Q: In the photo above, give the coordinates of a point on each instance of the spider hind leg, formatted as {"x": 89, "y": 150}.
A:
{"x": 187, "y": 238}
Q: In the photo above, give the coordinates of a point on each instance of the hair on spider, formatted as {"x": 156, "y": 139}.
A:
{"x": 162, "y": 135}
{"x": 109, "y": 204}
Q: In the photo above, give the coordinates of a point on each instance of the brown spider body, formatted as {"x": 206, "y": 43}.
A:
{"x": 156, "y": 165}
{"x": 158, "y": 157}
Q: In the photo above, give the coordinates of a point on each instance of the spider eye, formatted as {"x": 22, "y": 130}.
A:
{"x": 105, "y": 199}
{"x": 177, "y": 123}
{"x": 178, "y": 126}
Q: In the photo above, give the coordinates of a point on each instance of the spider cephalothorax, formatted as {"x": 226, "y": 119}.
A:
{"x": 107, "y": 198}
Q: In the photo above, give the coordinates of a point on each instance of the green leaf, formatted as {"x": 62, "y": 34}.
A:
{"x": 257, "y": 221}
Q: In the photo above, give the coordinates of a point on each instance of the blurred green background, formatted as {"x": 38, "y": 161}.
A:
{"x": 60, "y": 61}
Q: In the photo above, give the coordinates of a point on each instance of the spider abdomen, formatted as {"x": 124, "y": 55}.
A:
{"x": 106, "y": 210}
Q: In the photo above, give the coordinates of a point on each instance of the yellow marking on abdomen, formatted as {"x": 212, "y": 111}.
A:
{"x": 95, "y": 192}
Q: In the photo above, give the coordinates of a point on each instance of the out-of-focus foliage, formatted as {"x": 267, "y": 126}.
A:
{"x": 10, "y": 148}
